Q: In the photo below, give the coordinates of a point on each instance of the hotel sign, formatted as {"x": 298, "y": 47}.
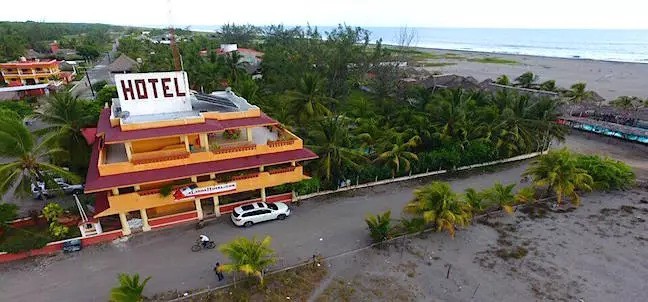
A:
{"x": 153, "y": 93}
{"x": 195, "y": 191}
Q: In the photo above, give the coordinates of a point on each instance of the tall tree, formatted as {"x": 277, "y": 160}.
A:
{"x": 558, "y": 172}
{"x": 252, "y": 257}
{"x": 398, "y": 154}
{"x": 129, "y": 289}
{"x": 437, "y": 203}
{"x": 65, "y": 116}
{"x": 28, "y": 158}
{"x": 331, "y": 140}
{"x": 577, "y": 96}
{"x": 308, "y": 100}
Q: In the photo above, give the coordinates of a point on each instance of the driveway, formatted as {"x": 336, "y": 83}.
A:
{"x": 329, "y": 225}
{"x": 99, "y": 72}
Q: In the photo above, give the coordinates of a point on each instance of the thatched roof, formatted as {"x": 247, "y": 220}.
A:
{"x": 123, "y": 64}
{"x": 450, "y": 81}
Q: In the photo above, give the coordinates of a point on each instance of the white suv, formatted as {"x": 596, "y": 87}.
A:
{"x": 250, "y": 214}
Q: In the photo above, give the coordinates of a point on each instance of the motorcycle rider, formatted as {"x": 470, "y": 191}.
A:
{"x": 203, "y": 240}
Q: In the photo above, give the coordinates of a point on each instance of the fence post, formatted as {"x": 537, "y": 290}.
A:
{"x": 357, "y": 181}
{"x": 376, "y": 179}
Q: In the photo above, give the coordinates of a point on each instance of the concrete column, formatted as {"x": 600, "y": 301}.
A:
{"x": 194, "y": 179}
{"x": 124, "y": 222}
{"x": 263, "y": 194}
{"x": 115, "y": 191}
{"x": 199, "y": 209}
{"x": 249, "y": 134}
{"x": 261, "y": 169}
{"x": 145, "y": 225}
{"x": 186, "y": 142}
{"x": 204, "y": 142}
{"x": 212, "y": 175}
{"x": 216, "y": 206}
{"x": 129, "y": 150}
{"x": 293, "y": 163}
{"x": 137, "y": 187}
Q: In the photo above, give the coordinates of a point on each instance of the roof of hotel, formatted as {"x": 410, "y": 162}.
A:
{"x": 95, "y": 182}
{"x": 23, "y": 87}
{"x": 28, "y": 63}
{"x": 115, "y": 134}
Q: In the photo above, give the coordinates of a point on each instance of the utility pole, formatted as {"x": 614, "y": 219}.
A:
{"x": 90, "y": 83}
{"x": 174, "y": 47}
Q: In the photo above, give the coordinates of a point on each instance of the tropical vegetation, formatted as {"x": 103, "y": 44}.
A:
{"x": 129, "y": 288}
{"x": 437, "y": 204}
{"x": 251, "y": 257}
{"x": 379, "y": 226}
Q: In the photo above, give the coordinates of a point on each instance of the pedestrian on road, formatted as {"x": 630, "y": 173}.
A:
{"x": 218, "y": 271}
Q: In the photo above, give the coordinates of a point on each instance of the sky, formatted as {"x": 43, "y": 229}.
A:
{"x": 617, "y": 14}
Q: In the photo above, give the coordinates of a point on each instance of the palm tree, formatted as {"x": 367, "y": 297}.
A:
{"x": 476, "y": 200}
{"x": 502, "y": 195}
{"x": 558, "y": 171}
{"x": 308, "y": 100}
{"x": 65, "y": 115}
{"x": 503, "y": 80}
{"x": 549, "y": 85}
{"x": 449, "y": 109}
{"x": 251, "y": 257}
{"x": 526, "y": 80}
{"x": 577, "y": 95}
{"x": 437, "y": 203}
{"x": 331, "y": 140}
{"x": 28, "y": 158}
{"x": 629, "y": 104}
{"x": 379, "y": 226}
{"x": 129, "y": 289}
{"x": 397, "y": 154}
{"x": 234, "y": 66}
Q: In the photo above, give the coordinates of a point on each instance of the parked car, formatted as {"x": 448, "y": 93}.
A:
{"x": 250, "y": 214}
{"x": 39, "y": 189}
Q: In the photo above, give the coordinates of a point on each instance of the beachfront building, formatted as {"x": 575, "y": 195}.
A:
{"x": 163, "y": 155}
{"x": 30, "y": 72}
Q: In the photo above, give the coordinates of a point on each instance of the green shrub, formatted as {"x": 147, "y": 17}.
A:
{"x": 607, "y": 174}
{"x": 99, "y": 85}
{"x": 57, "y": 230}
{"x": 379, "y": 226}
{"x": 24, "y": 241}
{"x": 52, "y": 211}
{"x": 166, "y": 190}
{"x": 20, "y": 107}
{"x": 8, "y": 212}
{"x": 413, "y": 225}
{"x": 307, "y": 186}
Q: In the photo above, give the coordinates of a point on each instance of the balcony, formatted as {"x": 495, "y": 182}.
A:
{"x": 264, "y": 142}
{"x": 253, "y": 181}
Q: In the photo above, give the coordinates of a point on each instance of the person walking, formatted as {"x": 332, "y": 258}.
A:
{"x": 218, "y": 271}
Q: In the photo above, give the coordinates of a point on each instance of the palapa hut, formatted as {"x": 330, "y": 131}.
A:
{"x": 123, "y": 64}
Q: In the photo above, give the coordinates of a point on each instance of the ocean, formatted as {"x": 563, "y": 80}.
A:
{"x": 596, "y": 44}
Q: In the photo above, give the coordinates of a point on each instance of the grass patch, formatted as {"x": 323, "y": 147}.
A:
{"x": 515, "y": 253}
{"x": 297, "y": 283}
{"x": 493, "y": 60}
{"x": 437, "y": 64}
{"x": 453, "y": 56}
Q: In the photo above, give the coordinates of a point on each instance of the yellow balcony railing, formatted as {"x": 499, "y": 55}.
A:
{"x": 152, "y": 198}
{"x": 165, "y": 160}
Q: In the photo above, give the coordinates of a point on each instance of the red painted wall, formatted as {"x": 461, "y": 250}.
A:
{"x": 153, "y": 222}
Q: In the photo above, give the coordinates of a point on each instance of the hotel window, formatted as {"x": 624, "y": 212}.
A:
{"x": 126, "y": 190}
{"x": 41, "y": 79}
{"x": 26, "y": 70}
{"x": 202, "y": 178}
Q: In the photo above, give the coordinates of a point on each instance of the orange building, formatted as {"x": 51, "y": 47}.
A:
{"x": 30, "y": 72}
{"x": 164, "y": 155}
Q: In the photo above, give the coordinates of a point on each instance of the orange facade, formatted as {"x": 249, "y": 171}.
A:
{"x": 168, "y": 168}
{"x": 30, "y": 72}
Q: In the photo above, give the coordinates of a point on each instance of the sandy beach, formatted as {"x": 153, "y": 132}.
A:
{"x": 609, "y": 79}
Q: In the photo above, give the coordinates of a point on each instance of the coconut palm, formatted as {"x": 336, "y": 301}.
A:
{"x": 558, "y": 171}
{"x": 449, "y": 108}
{"x": 252, "y": 257}
{"x": 501, "y": 195}
{"x": 129, "y": 288}
{"x": 65, "y": 115}
{"x": 503, "y": 80}
{"x": 476, "y": 200}
{"x": 332, "y": 141}
{"x": 526, "y": 80}
{"x": 437, "y": 203}
{"x": 308, "y": 101}
{"x": 379, "y": 226}
{"x": 549, "y": 85}
{"x": 28, "y": 158}
{"x": 578, "y": 95}
{"x": 629, "y": 104}
{"x": 397, "y": 155}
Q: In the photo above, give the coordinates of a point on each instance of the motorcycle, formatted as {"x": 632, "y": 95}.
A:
{"x": 199, "y": 246}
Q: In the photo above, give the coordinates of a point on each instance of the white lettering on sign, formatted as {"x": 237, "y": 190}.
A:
{"x": 193, "y": 191}
{"x": 151, "y": 93}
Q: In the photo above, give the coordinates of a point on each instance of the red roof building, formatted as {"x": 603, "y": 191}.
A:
{"x": 158, "y": 139}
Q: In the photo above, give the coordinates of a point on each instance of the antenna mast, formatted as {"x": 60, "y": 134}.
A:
{"x": 174, "y": 47}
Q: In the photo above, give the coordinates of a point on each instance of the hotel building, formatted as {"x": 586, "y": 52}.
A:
{"x": 163, "y": 155}
{"x": 30, "y": 72}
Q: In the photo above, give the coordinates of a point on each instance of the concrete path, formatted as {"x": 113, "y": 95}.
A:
{"x": 328, "y": 226}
